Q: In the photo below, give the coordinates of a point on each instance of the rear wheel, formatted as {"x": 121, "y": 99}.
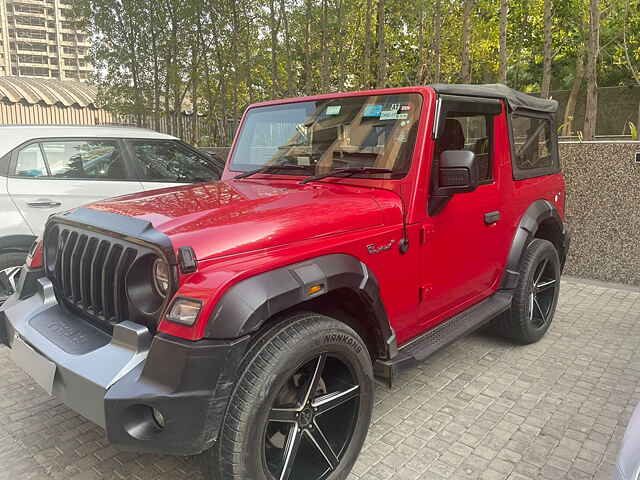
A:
{"x": 536, "y": 295}
{"x": 10, "y": 265}
{"x": 302, "y": 405}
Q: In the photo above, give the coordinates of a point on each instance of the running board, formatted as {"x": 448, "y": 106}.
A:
{"x": 430, "y": 342}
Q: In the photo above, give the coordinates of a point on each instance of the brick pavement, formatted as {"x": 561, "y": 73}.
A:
{"x": 480, "y": 409}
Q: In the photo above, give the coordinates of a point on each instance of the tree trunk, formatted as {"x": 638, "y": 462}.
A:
{"x": 367, "y": 47}
{"x": 591, "y": 112}
{"x": 632, "y": 68}
{"x": 548, "y": 49}
{"x": 504, "y": 54}
{"x": 437, "y": 41}
{"x": 307, "y": 49}
{"x": 274, "y": 27}
{"x": 324, "y": 67}
{"x": 466, "y": 41}
{"x": 382, "y": 54}
{"x": 287, "y": 43}
{"x": 570, "y": 110}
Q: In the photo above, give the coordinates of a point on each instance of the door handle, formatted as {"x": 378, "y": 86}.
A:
{"x": 44, "y": 203}
{"x": 491, "y": 217}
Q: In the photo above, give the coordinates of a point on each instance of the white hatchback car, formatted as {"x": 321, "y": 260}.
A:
{"x": 47, "y": 169}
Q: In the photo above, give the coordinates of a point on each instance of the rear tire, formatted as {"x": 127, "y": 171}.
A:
{"x": 10, "y": 264}
{"x": 535, "y": 296}
{"x": 301, "y": 407}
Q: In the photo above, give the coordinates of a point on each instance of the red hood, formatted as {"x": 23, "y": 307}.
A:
{"x": 232, "y": 217}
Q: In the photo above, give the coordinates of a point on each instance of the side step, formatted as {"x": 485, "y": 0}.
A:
{"x": 430, "y": 342}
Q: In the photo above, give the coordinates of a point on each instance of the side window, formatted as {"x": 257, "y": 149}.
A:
{"x": 85, "y": 159}
{"x": 533, "y": 145}
{"x": 471, "y": 132}
{"x": 168, "y": 161}
{"x": 29, "y": 162}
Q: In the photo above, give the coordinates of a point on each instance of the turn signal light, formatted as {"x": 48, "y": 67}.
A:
{"x": 184, "y": 311}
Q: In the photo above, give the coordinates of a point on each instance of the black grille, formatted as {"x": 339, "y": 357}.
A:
{"x": 88, "y": 270}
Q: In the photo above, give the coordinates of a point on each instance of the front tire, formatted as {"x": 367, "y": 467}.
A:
{"x": 535, "y": 296}
{"x": 301, "y": 407}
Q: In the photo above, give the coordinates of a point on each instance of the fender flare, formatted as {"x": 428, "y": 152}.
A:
{"x": 538, "y": 212}
{"x": 247, "y": 305}
{"x": 16, "y": 243}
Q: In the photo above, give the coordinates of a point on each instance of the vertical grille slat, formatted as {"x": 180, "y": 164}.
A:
{"x": 96, "y": 276}
{"x": 75, "y": 275}
{"x": 66, "y": 263}
{"x": 108, "y": 276}
{"x": 90, "y": 273}
{"x": 119, "y": 294}
{"x": 85, "y": 272}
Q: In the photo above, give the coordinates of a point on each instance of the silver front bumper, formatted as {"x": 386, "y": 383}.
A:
{"x": 67, "y": 356}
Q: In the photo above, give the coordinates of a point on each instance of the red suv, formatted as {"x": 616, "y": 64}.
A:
{"x": 350, "y": 235}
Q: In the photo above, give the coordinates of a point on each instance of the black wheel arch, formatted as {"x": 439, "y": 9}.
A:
{"x": 541, "y": 220}
{"x": 251, "y": 303}
{"x": 16, "y": 243}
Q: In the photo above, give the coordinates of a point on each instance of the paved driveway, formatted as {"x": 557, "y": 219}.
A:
{"x": 481, "y": 408}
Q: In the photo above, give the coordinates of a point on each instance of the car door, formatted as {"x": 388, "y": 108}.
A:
{"x": 167, "y": 163}
{"x": 54, "y": 175}
{"x": 463, "y": 250}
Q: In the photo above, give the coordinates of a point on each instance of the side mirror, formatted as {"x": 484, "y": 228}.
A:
{"x": 458, "y": 172}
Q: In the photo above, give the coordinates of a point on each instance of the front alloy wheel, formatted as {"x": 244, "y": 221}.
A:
{"x": 312, "y": 421}
{"x": 301, "y": 407}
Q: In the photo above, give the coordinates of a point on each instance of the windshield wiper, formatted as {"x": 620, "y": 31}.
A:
{"x": 345, "y": 172}
{"x": 269, "y": 168}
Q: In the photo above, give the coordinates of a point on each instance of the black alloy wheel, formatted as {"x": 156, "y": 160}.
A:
{"x": 301, "y": 406}
{"x": 543, "y": 293}
{"x": 10, "y": 267}
{"x": 312, "y": 420}
{"x": 535, "y": 296}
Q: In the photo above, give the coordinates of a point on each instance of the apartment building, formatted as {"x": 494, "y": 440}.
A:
{"x": 38, "y": 40}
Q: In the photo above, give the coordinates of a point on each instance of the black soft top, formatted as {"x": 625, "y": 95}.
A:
{"x": 517, "y": 100}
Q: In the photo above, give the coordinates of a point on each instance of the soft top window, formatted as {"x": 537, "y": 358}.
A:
{"x": 534, "y": 148}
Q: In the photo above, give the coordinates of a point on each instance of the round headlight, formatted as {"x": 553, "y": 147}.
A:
{"x": 161, "y": 277}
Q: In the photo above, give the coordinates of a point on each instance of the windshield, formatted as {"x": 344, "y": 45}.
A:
{"x": 353, "y": 132}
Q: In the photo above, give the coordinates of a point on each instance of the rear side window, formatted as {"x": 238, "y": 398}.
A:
{"x": 535, "y": 153}
{"x": 169, "y": 161}
{"x": 30, "y": 162}
{"x": 74, "y": 159}
{"x": 85, "y": 159}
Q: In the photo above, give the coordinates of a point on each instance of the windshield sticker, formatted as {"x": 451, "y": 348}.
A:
{"x": 402, "y": 116}
{"x": 333, "y": 110}
{"x": 372, "y": 111}
{"x": 389, "y": 115}
{"x": 405, "y": 108}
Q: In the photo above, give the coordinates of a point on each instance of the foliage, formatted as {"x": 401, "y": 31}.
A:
{"x": 214, "y": 57}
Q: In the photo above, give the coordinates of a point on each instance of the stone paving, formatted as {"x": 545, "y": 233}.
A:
{"x": 480, "y": 409}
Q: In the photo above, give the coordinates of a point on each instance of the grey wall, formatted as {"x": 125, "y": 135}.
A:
{"x": 603, "y": 190}
{"x": 603, "y": 211}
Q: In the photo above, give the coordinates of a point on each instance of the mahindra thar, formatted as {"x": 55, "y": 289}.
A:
{"x": 350, "y": 235}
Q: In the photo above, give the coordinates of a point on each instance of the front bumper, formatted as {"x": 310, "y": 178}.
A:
{"x": 116, "y": 381}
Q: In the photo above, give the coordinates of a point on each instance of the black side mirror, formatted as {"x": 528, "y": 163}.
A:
{"x": 458, "y": 172}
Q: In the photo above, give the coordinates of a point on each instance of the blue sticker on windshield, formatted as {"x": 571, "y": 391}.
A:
{"x": 372, "y": 111}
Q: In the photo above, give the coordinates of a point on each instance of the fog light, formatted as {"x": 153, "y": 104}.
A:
{"x": 158, "y": 417}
